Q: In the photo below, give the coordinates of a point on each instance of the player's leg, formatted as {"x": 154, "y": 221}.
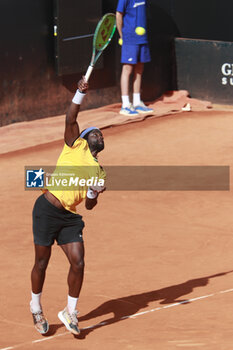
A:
{"x": 75, "y": 254}
{"x": 45, "y": 226}
{"x": 42, "y": 256}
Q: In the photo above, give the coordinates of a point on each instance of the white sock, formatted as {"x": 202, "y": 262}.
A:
{"x": 136, "y": 99}
{"x": 125, "y": 101}
{"x": 35, "y": 302}
{"x": 72, "y": 304}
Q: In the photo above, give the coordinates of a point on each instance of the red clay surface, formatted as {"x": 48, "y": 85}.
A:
{"x": 158, "y": 264}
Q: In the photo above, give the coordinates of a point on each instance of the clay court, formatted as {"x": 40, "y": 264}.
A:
{"x": 159, "y": 264}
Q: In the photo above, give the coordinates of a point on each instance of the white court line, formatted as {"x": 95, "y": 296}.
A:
{"x": 122, "y": 318}
{"x": 226, "y": 291}
{"x": 35, "y": 341}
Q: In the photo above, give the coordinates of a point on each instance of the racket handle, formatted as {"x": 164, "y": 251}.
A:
{"x": 88, "y": 73}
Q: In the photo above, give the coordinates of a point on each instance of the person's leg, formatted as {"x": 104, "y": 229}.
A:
{"x": 127, "y": 108}
{"x": 75, "y": 254}
{"x": 137, "y": 77}
{"x": 44, "y": 229}
{"x": 42, "y": 256}
{"x": 129, "y": 54}
{"x": 127, "y": 70}
{"x": 137, "y": 81}
{"x": 143, "y": 56}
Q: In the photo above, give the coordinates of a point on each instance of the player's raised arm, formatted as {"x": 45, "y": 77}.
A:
{"x": 72, "y": 128}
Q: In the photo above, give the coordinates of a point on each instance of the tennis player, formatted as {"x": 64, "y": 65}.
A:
{"x": 55, "y": 217}
{"x": 131, "y": 14}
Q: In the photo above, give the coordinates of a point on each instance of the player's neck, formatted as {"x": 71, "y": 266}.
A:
{"x": 95, "y": 154}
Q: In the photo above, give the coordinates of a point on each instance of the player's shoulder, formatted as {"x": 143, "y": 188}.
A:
{"x": 79, "y": 142}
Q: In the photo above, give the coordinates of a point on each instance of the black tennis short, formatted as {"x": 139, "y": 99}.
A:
{"x": 51, "y": 223}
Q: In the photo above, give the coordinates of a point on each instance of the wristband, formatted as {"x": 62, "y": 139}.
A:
{"x": 91, "y": 194}
{"x": 78, "y": 97}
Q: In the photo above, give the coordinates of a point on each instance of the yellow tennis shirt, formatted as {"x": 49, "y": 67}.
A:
{"x": 76, "y": 170}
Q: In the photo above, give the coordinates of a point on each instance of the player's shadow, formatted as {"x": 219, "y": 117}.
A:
{"x": 52, "y": 329}
{"x": 123, "y": 307}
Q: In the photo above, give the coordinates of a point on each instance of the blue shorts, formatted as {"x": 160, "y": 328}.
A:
{"x": 132, "y": 54}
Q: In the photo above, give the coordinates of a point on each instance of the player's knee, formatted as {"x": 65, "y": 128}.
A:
{"x": 41, "y": 264}
{"x": 78, "y": 265}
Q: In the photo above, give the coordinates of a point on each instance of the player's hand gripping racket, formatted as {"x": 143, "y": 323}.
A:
{"x": 103, "y": 34}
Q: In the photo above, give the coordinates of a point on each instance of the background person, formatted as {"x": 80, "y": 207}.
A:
{"x": 131, "y": 16}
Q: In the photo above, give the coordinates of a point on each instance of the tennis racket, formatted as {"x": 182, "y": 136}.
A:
{"x": 103, "y": 34}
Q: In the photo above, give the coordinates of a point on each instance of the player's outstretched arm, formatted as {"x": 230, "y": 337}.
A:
{"x": 92, "y": 195}
{"x": 72, "y": 128}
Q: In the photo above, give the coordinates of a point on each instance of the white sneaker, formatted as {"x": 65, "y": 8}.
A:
{"x": 40, "y": 322}
{"x": 69, "y": 320}
{"x": 142, "y": 108}
{"x": 128, "y": 111}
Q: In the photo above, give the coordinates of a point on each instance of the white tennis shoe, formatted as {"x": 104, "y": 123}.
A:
{"x": 69, "y": 320}
{"x": 142, "y": 108}
{"x": 129, "y": 110}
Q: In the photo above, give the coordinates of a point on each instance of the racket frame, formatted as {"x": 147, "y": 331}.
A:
{"x": 95, "y": 51}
